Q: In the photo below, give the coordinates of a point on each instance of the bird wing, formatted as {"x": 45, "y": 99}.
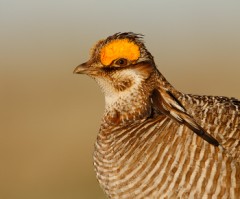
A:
{"x": 220, "y": 116}
{"x": 164, "y": 101}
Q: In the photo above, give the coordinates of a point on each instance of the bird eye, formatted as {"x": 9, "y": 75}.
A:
{"x": 121, "y": 62}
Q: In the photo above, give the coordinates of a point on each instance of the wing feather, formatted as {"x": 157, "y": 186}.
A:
{"x": 165, "y": 102}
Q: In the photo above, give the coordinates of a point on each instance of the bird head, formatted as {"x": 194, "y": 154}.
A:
{"x": 133, "y": 87}
{"x": 118, "y": 63}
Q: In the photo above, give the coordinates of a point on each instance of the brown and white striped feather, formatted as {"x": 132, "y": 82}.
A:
{"x": 220, "y": 116}
{"x": 159, "y": 158}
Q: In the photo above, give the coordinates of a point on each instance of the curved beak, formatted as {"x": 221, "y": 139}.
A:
{"x": 82, "y": 69}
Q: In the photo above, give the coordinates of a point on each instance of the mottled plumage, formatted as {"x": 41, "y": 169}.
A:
{"x": 154, "y": 141}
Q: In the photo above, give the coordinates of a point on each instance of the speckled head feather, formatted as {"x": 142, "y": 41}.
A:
{"x": 136, "y": 38}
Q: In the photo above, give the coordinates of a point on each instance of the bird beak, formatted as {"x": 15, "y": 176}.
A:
{"x": 82, "y": 68}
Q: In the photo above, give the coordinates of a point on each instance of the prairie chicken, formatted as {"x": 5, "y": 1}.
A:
{"x": 154, "y": 141}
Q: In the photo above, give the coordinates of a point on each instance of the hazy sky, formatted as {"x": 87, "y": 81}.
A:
{"x": 198, "y": 39}
{"x": 50, "y": 117}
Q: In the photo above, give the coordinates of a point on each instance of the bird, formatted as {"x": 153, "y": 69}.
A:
{"x": 155, "y": 141}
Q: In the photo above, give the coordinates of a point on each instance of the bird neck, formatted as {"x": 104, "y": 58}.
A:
{"x": 134, "y": 103}
{"x": 128, "y": 106}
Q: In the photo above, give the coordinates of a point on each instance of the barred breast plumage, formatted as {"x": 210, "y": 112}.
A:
{"x": 154, "y": 141}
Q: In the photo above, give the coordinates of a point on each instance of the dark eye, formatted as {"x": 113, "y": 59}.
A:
{"x": 121, "y": 62}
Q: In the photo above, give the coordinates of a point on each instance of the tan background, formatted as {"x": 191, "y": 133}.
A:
{"x": 49, "y": 117}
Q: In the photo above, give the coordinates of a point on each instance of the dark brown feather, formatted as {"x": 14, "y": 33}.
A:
{"x": 180, "y": 115}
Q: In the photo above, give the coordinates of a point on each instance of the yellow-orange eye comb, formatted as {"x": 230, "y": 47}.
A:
{"x": 121, "y": 48}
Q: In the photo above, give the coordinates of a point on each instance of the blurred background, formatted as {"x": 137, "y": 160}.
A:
{"x": 49, "y": 118}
